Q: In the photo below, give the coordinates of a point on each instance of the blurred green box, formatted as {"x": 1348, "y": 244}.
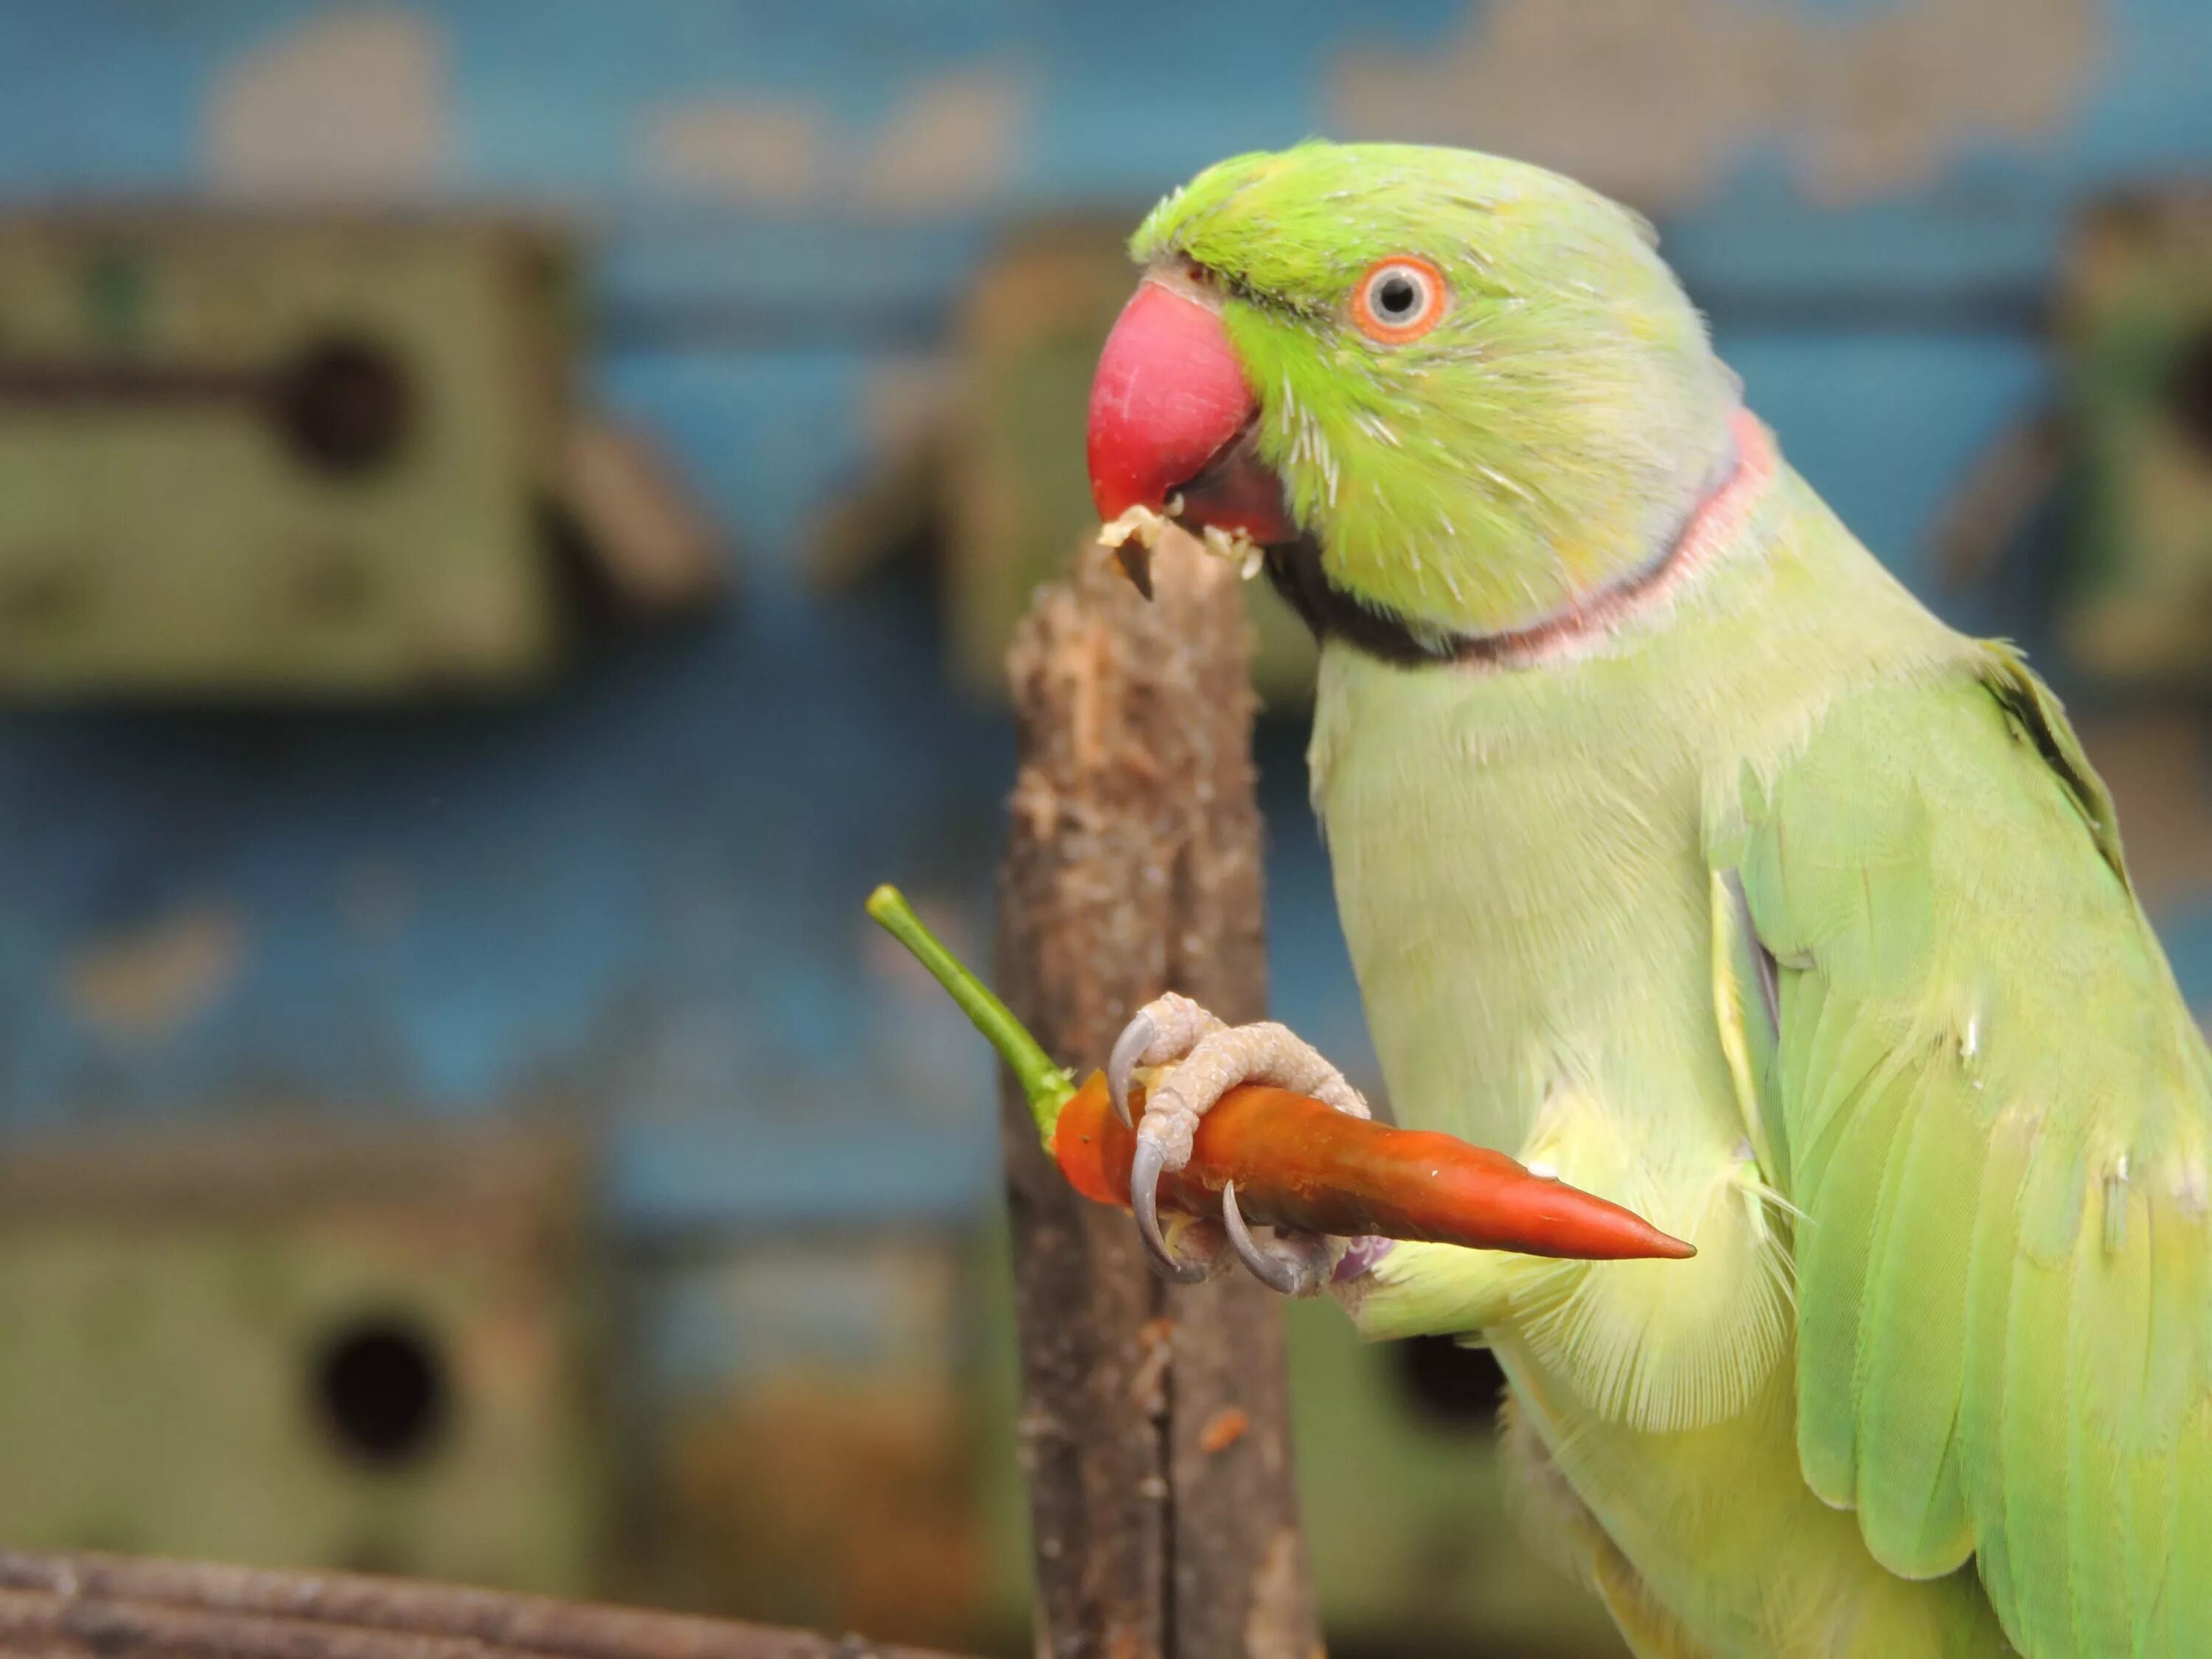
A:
{"x": 269, "y": 454}
{"x": 293, "y": 1348}
{"x": 2136, "y": 606}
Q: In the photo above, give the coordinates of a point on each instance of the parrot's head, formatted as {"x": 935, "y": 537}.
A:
{"x": 1451, "y": 396}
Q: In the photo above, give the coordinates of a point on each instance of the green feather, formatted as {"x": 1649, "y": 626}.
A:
{"x": 2002, "y": 1251}
{"x": 1911, "y": 1343}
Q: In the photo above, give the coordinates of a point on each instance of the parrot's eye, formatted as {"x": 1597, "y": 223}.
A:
{"x": 1400, "y": 299}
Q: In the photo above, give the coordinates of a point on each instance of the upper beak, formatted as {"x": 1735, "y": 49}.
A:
{"x": 1172, "y": 414}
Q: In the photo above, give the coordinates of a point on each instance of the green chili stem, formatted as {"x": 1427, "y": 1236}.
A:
{"x": 1046, "y": 1085}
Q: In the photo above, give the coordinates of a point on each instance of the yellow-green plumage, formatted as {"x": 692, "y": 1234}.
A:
{"x": 1939, "y": 1378}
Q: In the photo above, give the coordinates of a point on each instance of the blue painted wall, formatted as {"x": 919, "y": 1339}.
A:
{"x": 639, "y": 896}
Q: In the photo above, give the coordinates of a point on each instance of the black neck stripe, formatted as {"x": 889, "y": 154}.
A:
{"x": 1295, "y": 569}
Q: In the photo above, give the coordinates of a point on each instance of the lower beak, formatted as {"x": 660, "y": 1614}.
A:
{"x": 1135, "y": 558}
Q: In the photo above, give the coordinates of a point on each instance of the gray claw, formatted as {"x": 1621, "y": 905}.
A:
{"x": 1143, "y": 1198}
{"x": 1280, "y": 1274}
{"x": 1129, "y": 1048}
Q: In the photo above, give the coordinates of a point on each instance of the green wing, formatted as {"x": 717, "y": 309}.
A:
{"x": 1989, "y": 1107}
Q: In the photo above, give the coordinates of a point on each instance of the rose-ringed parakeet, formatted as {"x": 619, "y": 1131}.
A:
{"x": 1680, "y": 850}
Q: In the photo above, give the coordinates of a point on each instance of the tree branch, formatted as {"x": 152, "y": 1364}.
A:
{"x": 1154, "y": 1427}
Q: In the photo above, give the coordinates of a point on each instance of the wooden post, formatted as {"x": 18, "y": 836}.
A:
{"x": 1154, "y": 1427}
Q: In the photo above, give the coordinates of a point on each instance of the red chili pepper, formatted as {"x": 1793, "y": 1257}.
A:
{"x": 1295, "y": 1161}
{"x": 1298, "y": 1163}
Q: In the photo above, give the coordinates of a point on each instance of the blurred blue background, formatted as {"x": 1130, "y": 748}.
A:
{"x": 618, "y": 905}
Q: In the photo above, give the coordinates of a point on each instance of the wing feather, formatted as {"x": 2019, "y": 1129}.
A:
{"x": 1995, "y": 1109}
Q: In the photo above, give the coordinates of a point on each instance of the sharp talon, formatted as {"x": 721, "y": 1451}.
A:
{"x": 1283, "y": 1277}
{"x": 1145, "y": 1198}
{"x": 1128, "y": 1047}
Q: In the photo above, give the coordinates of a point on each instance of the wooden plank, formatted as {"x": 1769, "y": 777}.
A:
{"x": 102, "y": 1607}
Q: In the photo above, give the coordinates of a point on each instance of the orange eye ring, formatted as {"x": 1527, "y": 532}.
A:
{"x": 1400, "y": 299}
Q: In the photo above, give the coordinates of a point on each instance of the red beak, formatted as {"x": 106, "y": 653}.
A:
{"x": 1170, "y": 413}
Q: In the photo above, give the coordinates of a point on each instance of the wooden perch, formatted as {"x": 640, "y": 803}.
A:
{"x": 1154, "y": 1427}
{"x": 105, "y": 1607}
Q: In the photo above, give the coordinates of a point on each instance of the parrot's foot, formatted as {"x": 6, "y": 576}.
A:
{"x": 1204, "y": 1060}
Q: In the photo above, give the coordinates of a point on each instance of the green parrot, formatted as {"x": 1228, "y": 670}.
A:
{"x": 1682, "y": 852}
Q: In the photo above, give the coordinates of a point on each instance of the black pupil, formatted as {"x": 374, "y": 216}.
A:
{"x": 1397, "y": 296}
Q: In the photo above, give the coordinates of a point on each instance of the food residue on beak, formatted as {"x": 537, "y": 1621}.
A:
{"x": 1134, "y": 533}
